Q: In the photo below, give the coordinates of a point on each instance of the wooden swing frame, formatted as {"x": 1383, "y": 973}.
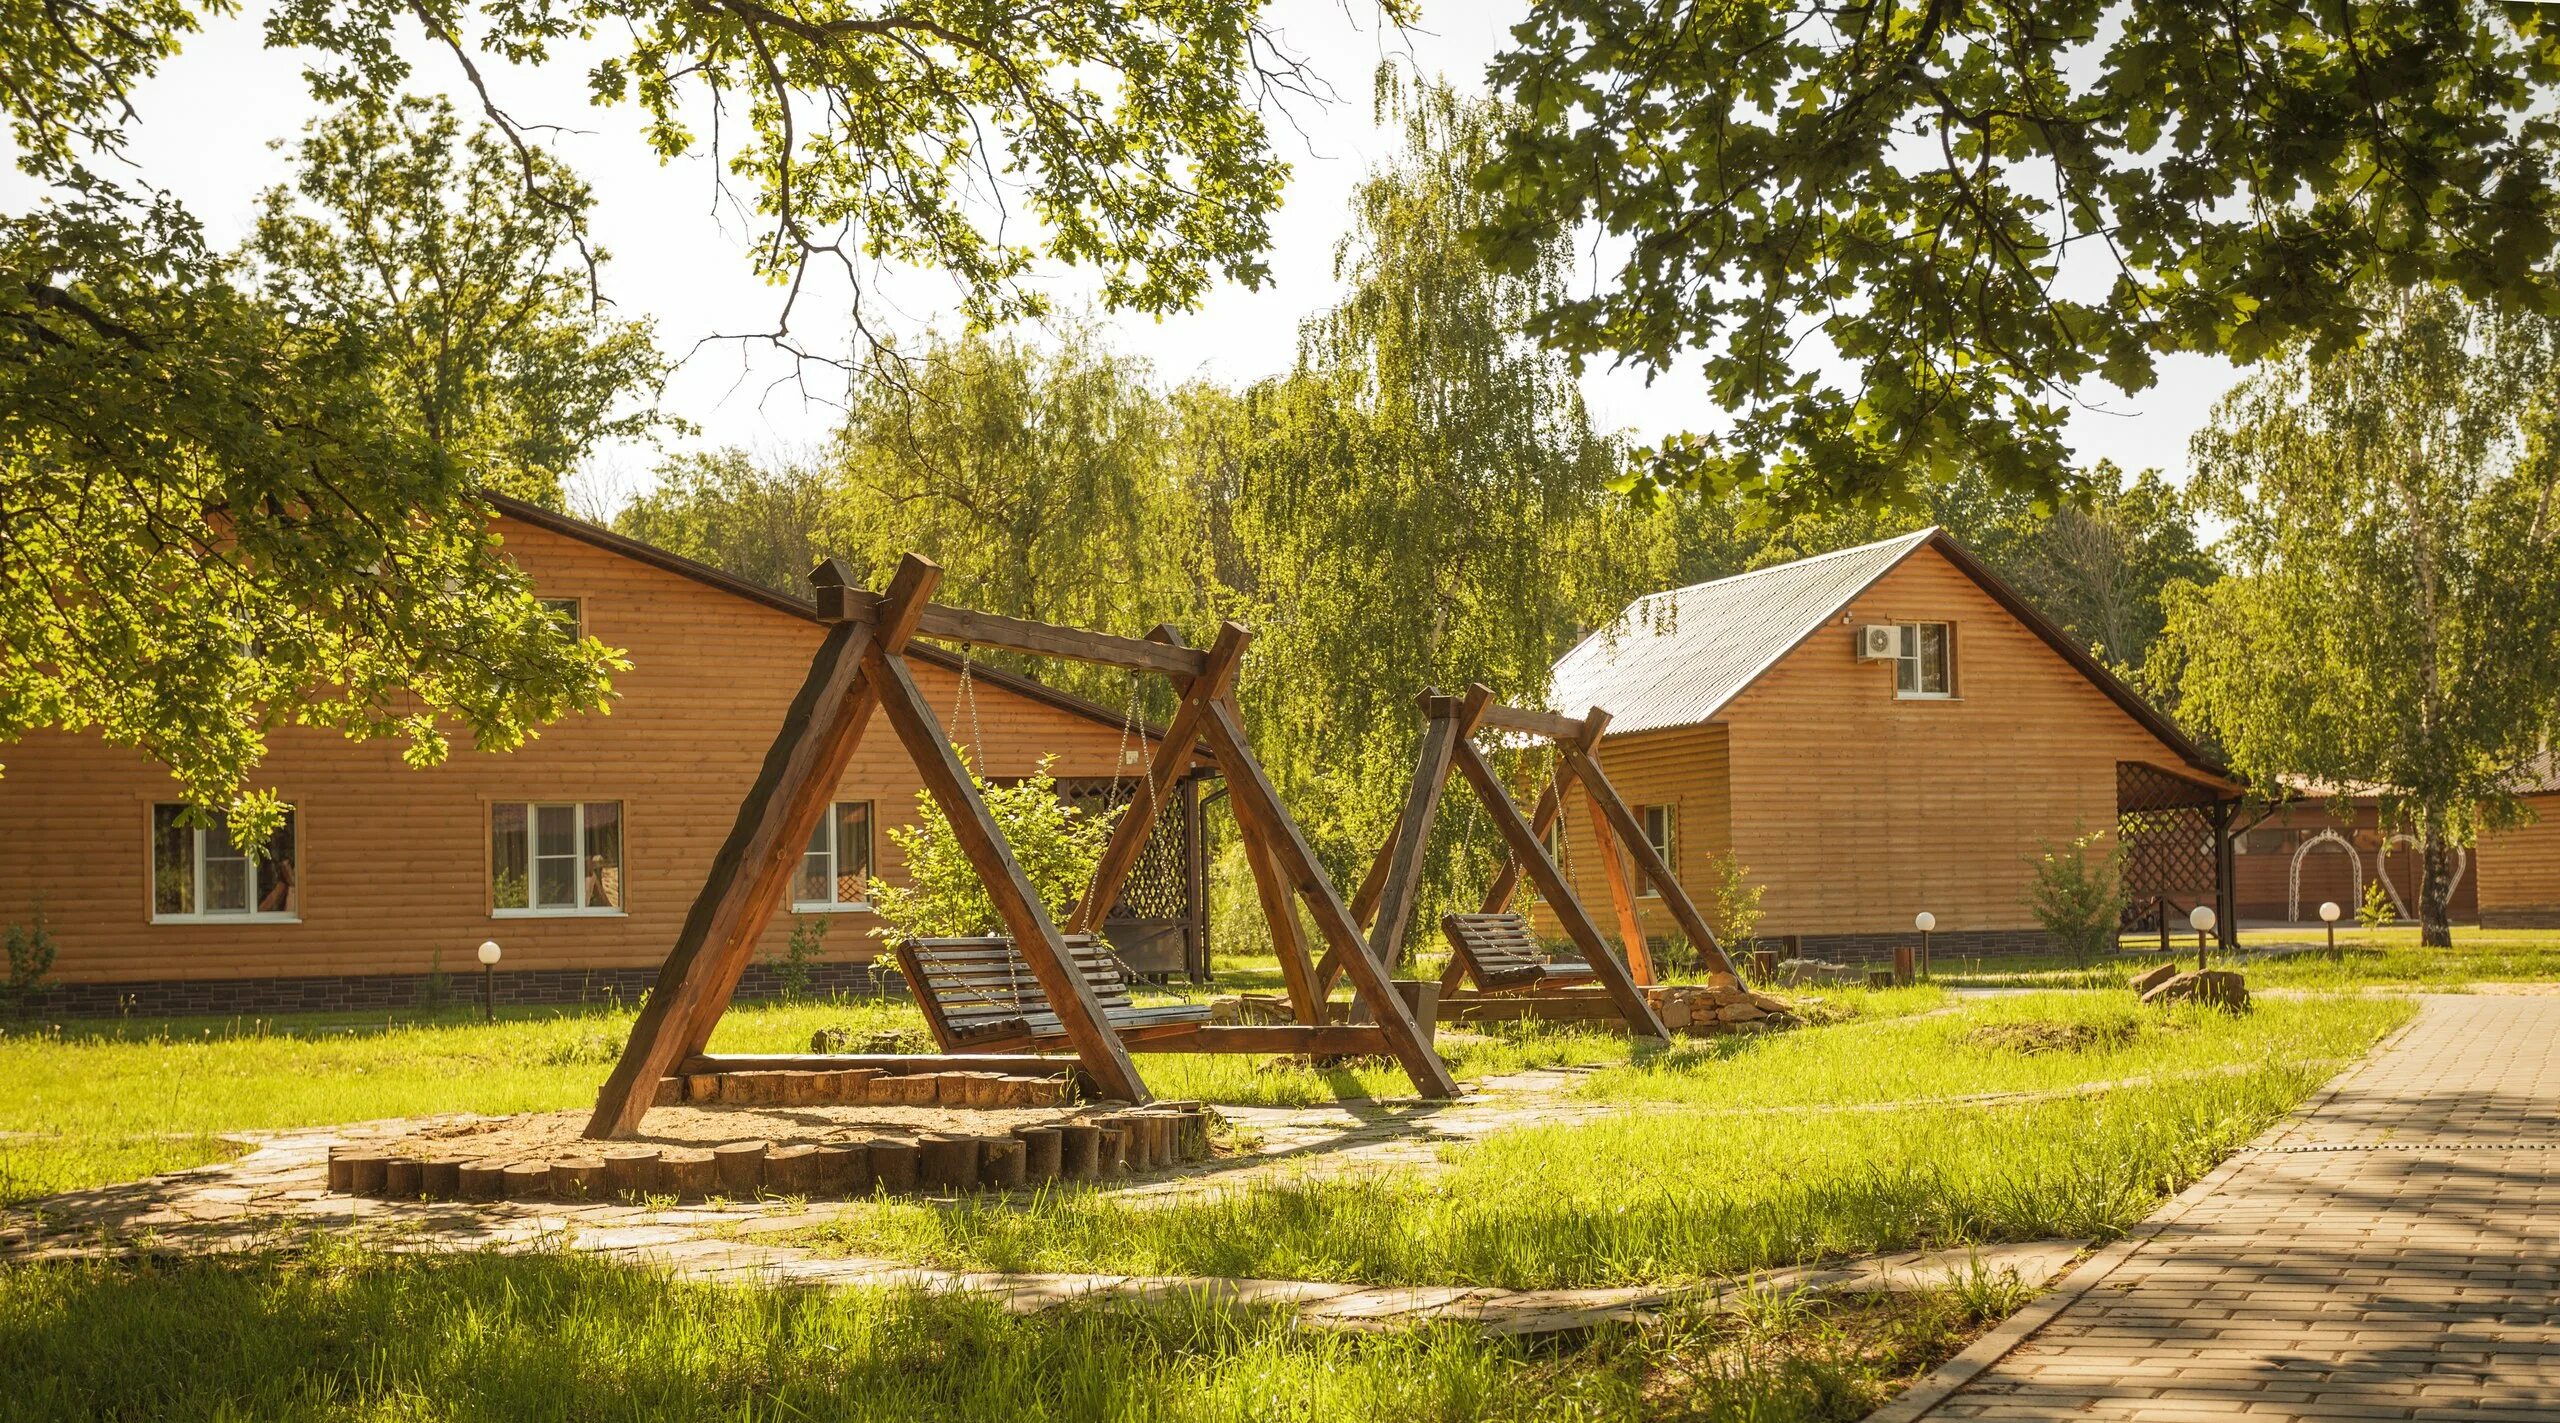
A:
{"x": 1627, "y": 859}
{"x": 861, "y": 668}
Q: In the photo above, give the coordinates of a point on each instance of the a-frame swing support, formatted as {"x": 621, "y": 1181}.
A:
{"x": 1627, "y": 857}
{"x": 860, "y": 669}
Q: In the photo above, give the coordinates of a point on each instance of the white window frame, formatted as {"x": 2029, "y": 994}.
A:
{"x": 201, "y": 915}
{"x": 533, "y": 869}
{"x": 1668, "y": 851}
{"x": 830, "y": 824}
{"x": 1908, "y": 655}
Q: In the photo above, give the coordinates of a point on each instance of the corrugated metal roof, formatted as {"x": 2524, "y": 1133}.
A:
{"x": 1675, "y": 658}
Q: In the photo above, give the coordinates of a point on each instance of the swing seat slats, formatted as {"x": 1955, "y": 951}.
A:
{"x": 977, "y": 991}
{"x": 1500, "y": 954}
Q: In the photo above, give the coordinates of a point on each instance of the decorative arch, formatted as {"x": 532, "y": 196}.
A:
{"x": 2355, "y": 866}
{"x": 2382, "y": 869}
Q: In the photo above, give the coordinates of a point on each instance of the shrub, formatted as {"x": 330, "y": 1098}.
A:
{"x": 794, "y": 967}
{"x": 1056, "y": 844}
{"x": 2075, "y": 896}
{"x": 31, "y": 949}
{"x": 1732, "y": 907}
{"x": 2376, "y": 910}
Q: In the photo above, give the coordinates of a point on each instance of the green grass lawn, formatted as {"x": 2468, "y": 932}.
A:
{"x": 99, "y": 1101}
{"x": 340, "y": 1334}
{"x": 1686, "y": 1191}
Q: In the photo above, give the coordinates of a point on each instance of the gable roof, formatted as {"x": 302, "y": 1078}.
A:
{"x": 601, "y": 537}
{"x": 1680, "y": 657}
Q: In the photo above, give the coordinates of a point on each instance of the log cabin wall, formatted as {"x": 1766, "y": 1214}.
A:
{"x": 2517, "y": 870}
{"x": 394, "y": 864}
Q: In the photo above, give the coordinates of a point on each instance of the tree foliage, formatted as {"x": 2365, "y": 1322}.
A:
{"x": 236, "y": 490}
{"x": 1977, "y": 207}
{"x": 1057, "y": 844}
{"x": 1423, "y": 500}
{"x": 239, "y": 487}
{"x": 765, "y": 523}
{"x": 2393, "y": 617}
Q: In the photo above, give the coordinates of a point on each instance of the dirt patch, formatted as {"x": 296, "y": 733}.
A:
{"x": 2041, "y": 1035}
{"x": 543, "y": 1135}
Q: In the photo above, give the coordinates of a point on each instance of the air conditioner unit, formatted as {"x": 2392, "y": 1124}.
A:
{"x": 1879, "y": 642}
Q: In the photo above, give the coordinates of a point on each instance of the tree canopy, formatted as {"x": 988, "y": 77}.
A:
{"x": 236, "y": 489}
{"x": 239, "y": 486}
{"x": 1975, "y": 208}
{"x": 2392, "y": 622}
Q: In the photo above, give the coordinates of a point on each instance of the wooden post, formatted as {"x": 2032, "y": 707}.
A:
{"x": 1308, "y": 988}
{"x": 1172, "y": 758}
{"x": 1035, "y": 937}
{"x": 1622, "y": 895}
{"x": 1623, "y": 992}
{"x": 1442, "y": 735}
{"x": 748, "y": 878}
{"x": 1684, "y": 911}
{"x": 1195, "y": 886}
{"x": 1250, "y": 788}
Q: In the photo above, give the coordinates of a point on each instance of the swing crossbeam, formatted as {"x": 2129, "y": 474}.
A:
{"x": 995, "y": 631}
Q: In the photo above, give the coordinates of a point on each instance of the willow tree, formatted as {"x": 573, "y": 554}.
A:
{"x": 2393, "y": 616}
{"x": 1044, "y": 480}
{"x": 1423, "y": 499}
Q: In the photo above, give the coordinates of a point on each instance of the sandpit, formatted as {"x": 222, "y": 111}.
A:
{"x": 813, "y": 1134}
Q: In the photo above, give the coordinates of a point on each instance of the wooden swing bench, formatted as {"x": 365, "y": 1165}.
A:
{"x": 980, "y": 995}
{"x": 1498, "y": 954}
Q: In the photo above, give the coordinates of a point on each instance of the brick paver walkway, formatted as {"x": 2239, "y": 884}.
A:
{"x": 2393, "y": 1253}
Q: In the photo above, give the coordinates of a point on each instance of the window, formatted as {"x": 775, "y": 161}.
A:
{"x": 555, "y": 858}
{"x": 569, "y": 613}
{"x": 1926, "y": 666}
{"x": 1662, "y": 832}
{"x": 198, "y": 874}
{"x": 835, "y": 871}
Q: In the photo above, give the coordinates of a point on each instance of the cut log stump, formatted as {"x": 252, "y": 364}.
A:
{"x": 949, "y": 1162}
{"x": 740, "y": 1167}
{"x": 1001, "y": 1162}
{"x": 1039, "y": 1152}
{"x": 1079, "y": 1150}
{"x": 894, "y": 1164}
{"x": 626, "y": 1170}
{"x": 579, "y": 1178}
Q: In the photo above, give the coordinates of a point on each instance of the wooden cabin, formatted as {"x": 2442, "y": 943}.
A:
{"x": 578, "y": 854}
{"x": 1881, "y": 731}
{"x": 2515, "y": 872}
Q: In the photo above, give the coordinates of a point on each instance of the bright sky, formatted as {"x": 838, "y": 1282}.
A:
{"x": 210, "y": 119}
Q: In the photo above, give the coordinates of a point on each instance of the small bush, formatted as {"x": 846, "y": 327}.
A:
{"x": 31, "y": 948}
{"x": 2075, "y": 896}
{"x": 1056, "y": 844}
{"x": 796, "y": 965}
{"x": 2376, "y": 911}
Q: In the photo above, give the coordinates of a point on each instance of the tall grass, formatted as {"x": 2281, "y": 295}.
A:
{"x": 341, "y": 1335}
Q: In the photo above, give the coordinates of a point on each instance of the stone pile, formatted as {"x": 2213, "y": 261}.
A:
{"x": 1078, "y": 1149}
{"x": 1817, "y": 971}
{"x": 1719, "y": 1005}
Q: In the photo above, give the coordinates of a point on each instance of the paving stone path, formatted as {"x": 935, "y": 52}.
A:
{"x": 2391, "y": 1253}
